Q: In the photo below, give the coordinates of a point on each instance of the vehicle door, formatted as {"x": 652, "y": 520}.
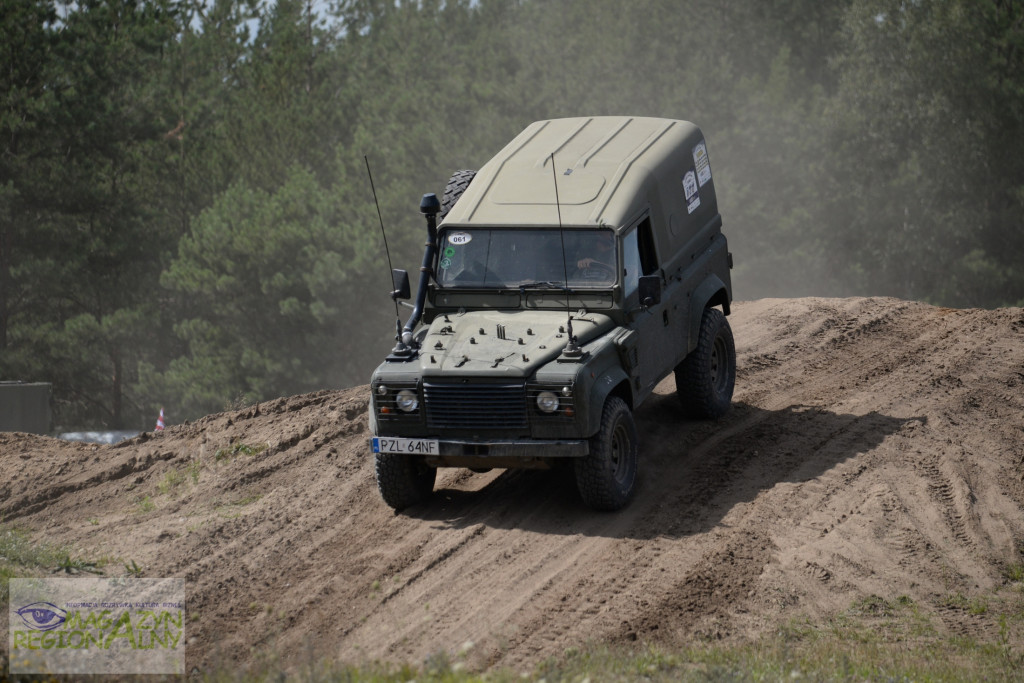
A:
{"x": 656, "y": 327}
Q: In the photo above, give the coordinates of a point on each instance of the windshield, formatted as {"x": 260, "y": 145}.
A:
{"x": 500, "y": 258}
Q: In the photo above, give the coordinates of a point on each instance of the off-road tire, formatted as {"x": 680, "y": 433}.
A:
{"x": 403, "y": 480}
{"x": 457, "y": 184}
{"x": 605, "y": 477}
{"x": 705, "y": 379}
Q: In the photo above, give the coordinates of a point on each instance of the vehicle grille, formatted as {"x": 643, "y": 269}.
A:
{"x": 475, "y": 406}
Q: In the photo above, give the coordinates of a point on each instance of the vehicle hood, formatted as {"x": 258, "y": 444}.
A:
{"x": 502, "y": 343}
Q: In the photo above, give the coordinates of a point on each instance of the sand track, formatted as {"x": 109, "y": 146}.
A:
{"x": 876, "y": 447}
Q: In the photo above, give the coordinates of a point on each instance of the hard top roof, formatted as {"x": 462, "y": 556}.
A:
{"x": 607, "y": 168}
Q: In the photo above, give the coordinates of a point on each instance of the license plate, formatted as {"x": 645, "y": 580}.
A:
{"x": 382, "y": 444}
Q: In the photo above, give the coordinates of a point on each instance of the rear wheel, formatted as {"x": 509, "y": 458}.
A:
{"x": 705, "y": 379}
{"x": 605, "y": 477}
{"x": 403, "y": 480}
{"x": 457, "y": 184}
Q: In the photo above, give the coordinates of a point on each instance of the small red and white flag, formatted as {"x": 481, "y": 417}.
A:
{"x": 160, "y": 421}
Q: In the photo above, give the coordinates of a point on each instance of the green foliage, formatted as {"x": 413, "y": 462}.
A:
{"x": 16, "y": 548}
{"x": 185, "y": 218}
{"x": 20, "y": 557}
{"x": 193, "y": 469}
{"x": 143, "y": 504}
{"x": 223, "y": 454}
{"x": 69, "y": 565}
{"x": 264, "y": 271}
{"x": 79, "y": 135}
{"x": 830, "y": 653}
{"x": 925, "y": 121}
{"x": 170, "y": 483}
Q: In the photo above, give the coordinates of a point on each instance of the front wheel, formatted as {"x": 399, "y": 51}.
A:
{"x": 404, "y": 480}
{"x": 605, "y": 477}
{"x": 705, "y": 379}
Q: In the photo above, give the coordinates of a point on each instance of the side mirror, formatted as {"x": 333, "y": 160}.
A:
{"x": 650, "y": 290}
{"x": 400, "y": 279}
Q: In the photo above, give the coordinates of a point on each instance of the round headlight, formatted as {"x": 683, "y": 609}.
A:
{"x": 406, "y": 401}
{"x": 547, "y": 402}
{"x": 381, "y": 390}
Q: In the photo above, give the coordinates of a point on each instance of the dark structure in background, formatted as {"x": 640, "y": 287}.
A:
{"x": 25, "y": 407}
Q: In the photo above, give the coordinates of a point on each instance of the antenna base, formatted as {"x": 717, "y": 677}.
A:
{"x": 572, "y": 355}
{"x": 572, "y": 349}
{"x": 402, "y": 353}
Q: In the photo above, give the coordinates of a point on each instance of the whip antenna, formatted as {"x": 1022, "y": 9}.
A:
{"x": 570, "y": 349}
{"x": 373, "y": 190}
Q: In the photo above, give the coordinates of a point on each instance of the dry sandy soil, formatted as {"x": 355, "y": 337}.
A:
{"x": 876, "y": 448}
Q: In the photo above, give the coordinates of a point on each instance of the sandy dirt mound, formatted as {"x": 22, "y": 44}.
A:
{"x": 876, "y": 447}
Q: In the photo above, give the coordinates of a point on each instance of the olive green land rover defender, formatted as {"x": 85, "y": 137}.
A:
{"x": 560, "y": 283}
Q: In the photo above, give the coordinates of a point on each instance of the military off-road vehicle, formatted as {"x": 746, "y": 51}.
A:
{"x": 560, "y": 283}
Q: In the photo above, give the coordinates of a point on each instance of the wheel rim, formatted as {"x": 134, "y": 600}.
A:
{"x": 620, "y": 453}
{"x": 719, "y": 364}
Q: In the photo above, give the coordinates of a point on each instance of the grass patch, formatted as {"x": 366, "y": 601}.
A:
{"x": 70, "y": 565}
{"x": 232, "y": 510}
{"x": 174, "y": 479}
{"x": 247, "y": 499}
{"x": 143, "y": 504}
{"x": 773, "y": 658}
{"x": 193, "y": 528}
{"x": 21, "y": 558}
{"x": 193, "y": 470}
{"x": 875, "y": 639}
{"x": 234, "y": 450}
{"x": 17, "y": 549}
{"x": 171, "y": 481}
{"x": 830, "y": 655}
{"x": 873, "y": 605}
{"x": 976, "y": 606}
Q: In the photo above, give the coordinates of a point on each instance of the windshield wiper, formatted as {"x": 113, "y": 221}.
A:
{"x": 545, "y": 284}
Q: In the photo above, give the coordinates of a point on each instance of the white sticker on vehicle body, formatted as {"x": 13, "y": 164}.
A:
{"x": 689, "y": 185}
{"x": 703, "y": 165}
{"x": 460, "y": 238}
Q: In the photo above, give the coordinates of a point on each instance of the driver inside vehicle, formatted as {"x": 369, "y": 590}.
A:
{"x": 600, "y": 253}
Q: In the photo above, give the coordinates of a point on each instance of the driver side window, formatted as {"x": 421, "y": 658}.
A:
{"x": 630, "y": 263}
{"x": 648, "y": 255}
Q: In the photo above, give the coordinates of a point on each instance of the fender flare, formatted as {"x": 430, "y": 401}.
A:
{"x": 711, "y": 292}
{"x": 609, "y": 382}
